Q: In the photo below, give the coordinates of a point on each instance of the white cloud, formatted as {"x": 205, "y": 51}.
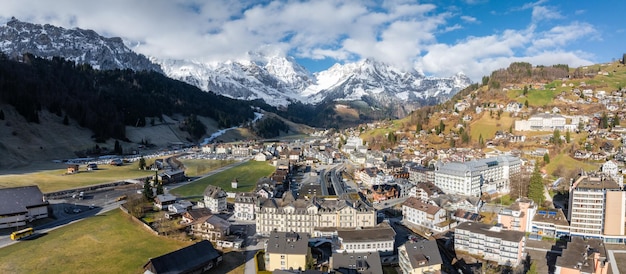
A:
{"x": 562, "y": 35}
{"x": 452, "y": 28}
{"x": 399, "y": 32}
{"x": 545, "y": 13}
{"x": 469, "y": 19}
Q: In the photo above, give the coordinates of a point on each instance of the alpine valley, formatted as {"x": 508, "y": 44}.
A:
{"x": 374, "y": 89}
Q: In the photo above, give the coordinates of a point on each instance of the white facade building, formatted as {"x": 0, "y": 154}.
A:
{"x": 474, "y": 177}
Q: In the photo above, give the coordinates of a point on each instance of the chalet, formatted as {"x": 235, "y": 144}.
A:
{"x": 72, "y": 169}
{"x": 20, "y": 205}
{"x": 210, "y": 227}
{"x": 598, "y": 156}
{"x": 195, "y": 214}
{"x": 196, "y": 258}
{"x": 581, "y": 154}
{"x": 162, "y": 201}
{"x": 172, "y": 176}
{"x": 384, "y": 192}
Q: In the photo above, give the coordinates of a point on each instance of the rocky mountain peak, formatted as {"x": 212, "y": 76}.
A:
{"x": 78, "y": 45}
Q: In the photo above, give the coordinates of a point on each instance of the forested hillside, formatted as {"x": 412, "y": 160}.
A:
{"x": 107, "y": 101}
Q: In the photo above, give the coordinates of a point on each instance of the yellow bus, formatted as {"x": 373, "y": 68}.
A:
{"x": 22, "y": 233}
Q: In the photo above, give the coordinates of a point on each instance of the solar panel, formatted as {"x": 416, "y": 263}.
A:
{"x": 542, "y": 212}
{"x": 553, "y": 213}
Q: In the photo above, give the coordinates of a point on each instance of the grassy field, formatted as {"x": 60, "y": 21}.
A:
{"x": 247, "y": 174}
{"x": 109, "y": 243}
{"x": 199, "y": 167}
{"x": 54, "y": 180}
{"x": 487, "y": 126}
{"x": 568, "y": 162}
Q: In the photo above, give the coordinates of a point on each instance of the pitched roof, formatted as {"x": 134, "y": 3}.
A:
{"x": 364, "y": 263}
{"x": 288, "y": 243}
{"x": 18, "y": 199}
{"x": 423, "y": 253}
{"x": 415, "y": 203}
{"x": 382, "y": 232}
{"x": 214, "y": 192}
{"x": 184, "y": 259}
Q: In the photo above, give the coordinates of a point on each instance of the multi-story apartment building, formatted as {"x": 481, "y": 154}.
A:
{"x": 545, "y": 122}
{"x": 286, "y": 251}
{"x": 475, "y": 177}
{"x": 245, "y": 203}
{"x": 419, "y": 257}
{"x": 418, "y": 173}
{"x": 597, "y": 208}
{"x": 304, "y": 215}
{"x": 215, "y": 198}
{"x": 518, "y": 216}
{"x": 505, "y": 247}
{"x": 417, "y": 212}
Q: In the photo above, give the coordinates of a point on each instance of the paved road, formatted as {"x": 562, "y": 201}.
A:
{"x": 45, "y": 228}
{"x": 70, "y": 210}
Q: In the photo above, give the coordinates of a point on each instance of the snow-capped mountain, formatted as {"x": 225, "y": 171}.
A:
{"x": 81, "y": 46}
{"x": 279, "y": 81}
{"x": 275, "y": 79}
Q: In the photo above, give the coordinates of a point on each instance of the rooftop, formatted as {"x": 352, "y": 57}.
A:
{"x": 288, "y": 243}
{"x": 484, "y": 229}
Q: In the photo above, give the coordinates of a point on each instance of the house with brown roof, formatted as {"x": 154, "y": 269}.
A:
{"x": 422, "y": 214}
{"x": 210, "y": 227}
{"x": 195, "y": 214}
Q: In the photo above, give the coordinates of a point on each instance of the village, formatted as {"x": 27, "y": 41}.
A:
{"x": 414, "y": 200}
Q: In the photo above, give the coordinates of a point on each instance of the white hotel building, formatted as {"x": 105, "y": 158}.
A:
{"x": 477, "y": 176}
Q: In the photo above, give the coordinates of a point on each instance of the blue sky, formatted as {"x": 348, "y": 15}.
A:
{"x": 439, "y": 38}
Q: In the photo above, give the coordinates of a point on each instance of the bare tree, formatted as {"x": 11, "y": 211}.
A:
{"x": 519, "y": 185}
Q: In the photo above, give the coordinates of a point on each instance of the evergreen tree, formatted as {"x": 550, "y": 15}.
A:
{"x": 615, "y": 121}
{"x": 481, "y": 141}
{"x": 442, "y": 126}
{"x": 159, "y": 188}
{"x": 117, "y": 148}
{"x": 147, "y": 190}
{"x": 604, "y": 121}
{"x": 556, "y": 137}
{"x": 535, "y": 188}
{"x": 142, "y": 163}
{"x": 568, "y": 137}
{"x": 546, "y": 158}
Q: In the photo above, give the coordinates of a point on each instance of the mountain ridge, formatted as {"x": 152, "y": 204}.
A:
{"x": 263, "y": 74}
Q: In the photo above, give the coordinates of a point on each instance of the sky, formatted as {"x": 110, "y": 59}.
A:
{"x": 439, "y": 38}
